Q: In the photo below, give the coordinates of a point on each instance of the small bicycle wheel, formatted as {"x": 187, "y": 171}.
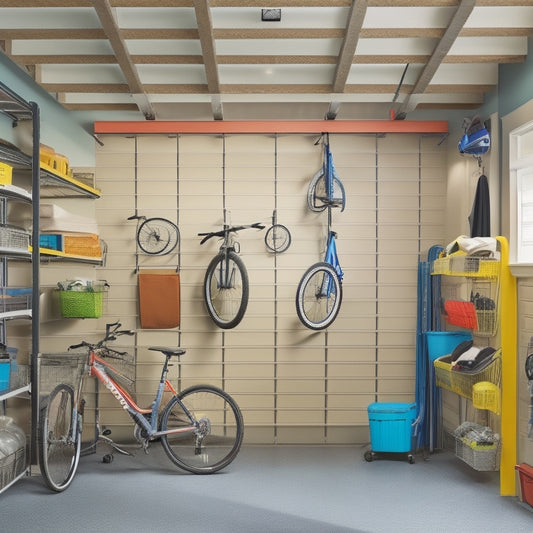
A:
{"x": 278, "y": 238}
{"x": 317, "y": 197}
{"x": 157, "y": 236}
{"x": 218, "y": 433}
{"x": 226, "y": 289}
{"x": 319, "y": 296}
{"x": 60, "y": 446}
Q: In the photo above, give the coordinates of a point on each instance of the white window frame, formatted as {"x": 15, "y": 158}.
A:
{"x": 521, "y": 187}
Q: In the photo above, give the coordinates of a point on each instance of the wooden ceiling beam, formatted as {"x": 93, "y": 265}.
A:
{"x": 457, "y": 22}
{"x": 207, "y": 42}
{"x": 105, "y": 14}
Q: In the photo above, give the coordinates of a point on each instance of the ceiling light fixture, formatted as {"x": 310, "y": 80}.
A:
{"x": 270, "y": 15}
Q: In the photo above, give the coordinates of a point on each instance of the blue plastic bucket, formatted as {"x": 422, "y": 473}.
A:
{"x": 391, "y": 426}
{"x": 444, "y": 342}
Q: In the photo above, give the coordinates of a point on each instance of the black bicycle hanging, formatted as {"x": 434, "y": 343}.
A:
{"x": 226, "y": 285}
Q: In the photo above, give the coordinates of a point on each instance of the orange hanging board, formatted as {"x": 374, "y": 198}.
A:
{"x": 159, "y": 298}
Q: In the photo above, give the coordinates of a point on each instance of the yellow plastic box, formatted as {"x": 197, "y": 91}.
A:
{"x": 6, "y": 174}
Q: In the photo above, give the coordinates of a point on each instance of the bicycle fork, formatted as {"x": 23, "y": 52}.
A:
{"x": 226, "y": 274}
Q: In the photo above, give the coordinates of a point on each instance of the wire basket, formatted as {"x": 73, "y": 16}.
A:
{"x": 466, "y": 266}
{"x": 15, "y": 298}
{"x": 480, "y": 457}
{"x": 14, "y": 238}
{"x": 462, "y": 381}
{"x": 65, "y": 368}
{"x": 11, "y": 466}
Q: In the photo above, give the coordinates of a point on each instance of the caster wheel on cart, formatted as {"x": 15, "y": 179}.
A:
{"x": 369, "y": 457}
{"x": 411, "y": 459}
{"x": 107, "y": 458}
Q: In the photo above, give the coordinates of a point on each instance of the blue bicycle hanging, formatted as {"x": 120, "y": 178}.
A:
{"x": 319, "y": 294}
{"x": 326, "y": 188}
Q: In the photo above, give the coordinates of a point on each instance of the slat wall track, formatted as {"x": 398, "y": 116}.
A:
{"x": 293, "y": 385}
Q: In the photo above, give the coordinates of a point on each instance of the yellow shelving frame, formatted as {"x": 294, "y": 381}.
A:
{"x": 508, "y": 340}
{"x": 507, "y": 309}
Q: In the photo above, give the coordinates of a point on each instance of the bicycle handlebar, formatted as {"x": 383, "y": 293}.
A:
{"x": 230, "y": 229}
{"x": 112, "y": 332}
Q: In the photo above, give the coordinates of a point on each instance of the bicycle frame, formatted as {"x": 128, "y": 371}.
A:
{"x": 146, "y": 418}
{"x": 332, "y": 259}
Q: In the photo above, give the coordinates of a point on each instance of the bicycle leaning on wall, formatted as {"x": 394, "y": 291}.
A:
{"x": 201, "y": 428}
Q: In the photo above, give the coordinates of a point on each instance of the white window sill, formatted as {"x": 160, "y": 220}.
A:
{"x": 522, "y": 270}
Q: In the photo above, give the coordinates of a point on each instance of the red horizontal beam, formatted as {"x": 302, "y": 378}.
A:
{"x": 273, "y": 126}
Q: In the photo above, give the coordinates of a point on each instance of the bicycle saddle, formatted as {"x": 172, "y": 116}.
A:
{"x": 167, "y": 351}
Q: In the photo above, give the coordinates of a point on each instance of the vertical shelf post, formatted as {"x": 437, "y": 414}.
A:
{"x": 36, "y": 261}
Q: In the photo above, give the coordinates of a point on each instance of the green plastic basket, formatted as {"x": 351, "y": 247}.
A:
{"x": 81, "y": 304}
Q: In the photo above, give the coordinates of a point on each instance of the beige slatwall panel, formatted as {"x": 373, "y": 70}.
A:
{"x": 525, "y": 332}
{"x": 293, "y": 385}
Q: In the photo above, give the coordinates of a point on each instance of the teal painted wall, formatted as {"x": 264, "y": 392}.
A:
{"x": 515, "y": 83}
{"x": 59, "y": 128}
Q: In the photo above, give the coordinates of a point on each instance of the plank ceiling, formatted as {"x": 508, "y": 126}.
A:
{"x": 216, "y": 59}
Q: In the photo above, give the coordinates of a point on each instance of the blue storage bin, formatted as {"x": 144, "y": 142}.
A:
{"x": 51, "y": 241}
{"x": 391, "y": 426}
{"x": 5, "y": 367}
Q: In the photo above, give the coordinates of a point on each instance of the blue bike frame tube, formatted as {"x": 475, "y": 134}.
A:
{"x": 331, "y": 255}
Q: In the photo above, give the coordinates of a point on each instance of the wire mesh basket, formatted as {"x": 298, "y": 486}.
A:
{"x": 15, "y": 298}
{"x": 462, "y": 381}
{"x": 11, "y": 466}
{"x": 466, "y": 266}
{"x": 65, "y": 368}
{"x": 14, "y": 238}
{"x": 480, "y": 457}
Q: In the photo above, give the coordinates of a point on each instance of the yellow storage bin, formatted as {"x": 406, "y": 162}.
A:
{"x": 46, "y": 155}
{"x": 6, "y": 174}
{"x": 486, "y": 395}
{"x": 86, "y": 245}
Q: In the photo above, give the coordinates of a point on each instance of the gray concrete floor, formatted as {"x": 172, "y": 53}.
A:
{"x": 289, "y": 489}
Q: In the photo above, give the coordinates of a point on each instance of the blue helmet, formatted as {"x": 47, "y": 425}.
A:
{"x": 476, "y": 140}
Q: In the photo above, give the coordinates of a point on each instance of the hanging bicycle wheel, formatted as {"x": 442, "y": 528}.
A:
{"x": 278, "y": 238}
{"x": 217, "y": 438}
{"x": 59, "y": 450}
{"x": 157, "y": 236}
{"x": 319, "y": 296}
{"x": 317, "y": 196}
{"x": 226, "y": 289}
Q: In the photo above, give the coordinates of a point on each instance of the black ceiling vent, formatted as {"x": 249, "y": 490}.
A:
{"x": 270, "y": 15}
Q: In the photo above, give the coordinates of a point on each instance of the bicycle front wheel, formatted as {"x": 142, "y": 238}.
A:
{"x": 60, "y": 443}
{"x": 317, "y": 196}
{"x": 278, "y": 238}
{"x": 319, "y": 296}
{"x": 226, "y": 289}
{"x": 157, "y": 236}
{"x": 217, "y": 437}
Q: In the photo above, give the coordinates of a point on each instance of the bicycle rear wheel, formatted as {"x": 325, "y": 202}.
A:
{"x": 226, "y": 289}
{"x": 157, "y": 236}
{"x": 59, "y": 450}
{"x": 319, "y": 296}
{"x": 317, "y": 196}
{"x": 217, "y": 439}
